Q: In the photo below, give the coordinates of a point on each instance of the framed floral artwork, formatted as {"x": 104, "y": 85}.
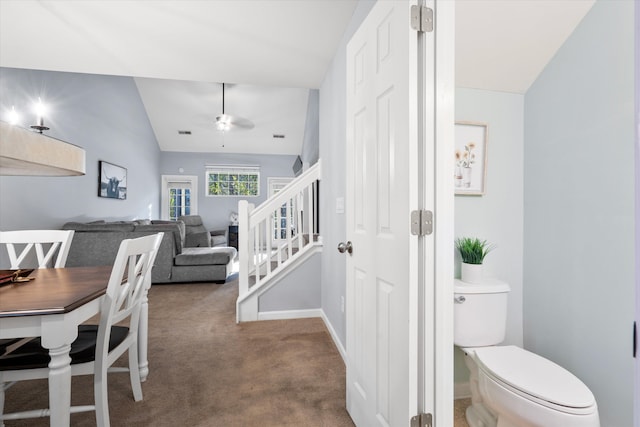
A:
{"x": 470, "y": 169}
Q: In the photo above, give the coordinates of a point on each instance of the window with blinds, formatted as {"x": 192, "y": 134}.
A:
{"x": 233, "y": 180}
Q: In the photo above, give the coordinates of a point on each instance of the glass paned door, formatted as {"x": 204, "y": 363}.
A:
{"x": 179, "y": 202}
{"x": 286, "y": 214}
{"x": 179, "y": 196}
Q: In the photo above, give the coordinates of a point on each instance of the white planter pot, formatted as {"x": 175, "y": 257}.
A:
{"x": 472, "y": 273}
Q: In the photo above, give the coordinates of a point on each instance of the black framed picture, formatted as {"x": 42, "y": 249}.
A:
{"x": 113, "y": 181}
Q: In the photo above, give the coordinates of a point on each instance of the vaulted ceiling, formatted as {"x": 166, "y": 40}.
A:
{"x": 271, "y": 51}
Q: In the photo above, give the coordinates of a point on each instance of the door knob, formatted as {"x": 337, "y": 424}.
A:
{"x": 345, "y": 247}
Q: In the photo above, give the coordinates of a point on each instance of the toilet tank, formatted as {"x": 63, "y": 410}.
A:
{"x": 480, "y": 313}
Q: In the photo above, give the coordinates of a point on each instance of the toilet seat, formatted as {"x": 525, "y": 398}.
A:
{"x": 535, "y": 378}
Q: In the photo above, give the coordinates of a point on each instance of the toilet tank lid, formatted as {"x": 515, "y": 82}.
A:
{"x": 488, "y": 286}
{"x": 535, "y": 375}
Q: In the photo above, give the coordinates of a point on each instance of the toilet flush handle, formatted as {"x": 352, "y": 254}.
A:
{"x": 460, "y": 299}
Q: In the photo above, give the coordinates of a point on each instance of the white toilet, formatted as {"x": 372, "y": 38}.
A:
{"x": 512, "y": 387}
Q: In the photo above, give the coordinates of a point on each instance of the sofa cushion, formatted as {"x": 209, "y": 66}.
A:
{"x": 218, "y": 240}
{"x": 91, "y": 248}
{"x": 99, "y": 226}
{"x": 179, "y": 223}
{"x": 205, "y": 256}
{"x": 191, "y": 220}
{"x": 200, "y": 273}
{"x": 197, "y": 240}
{"x": 176, "y": 227}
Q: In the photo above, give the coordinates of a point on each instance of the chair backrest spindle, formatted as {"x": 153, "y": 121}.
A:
{"x": 58, "y": 241}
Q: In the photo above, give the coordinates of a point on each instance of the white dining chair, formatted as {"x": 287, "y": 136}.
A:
{"x": 46, "y": 243}
{"x": 97, "y": 346}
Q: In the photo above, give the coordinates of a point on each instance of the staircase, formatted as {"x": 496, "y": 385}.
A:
{"x": 275, "y": 238}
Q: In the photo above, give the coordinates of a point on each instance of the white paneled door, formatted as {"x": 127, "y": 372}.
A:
{"x": 382, "y": 164}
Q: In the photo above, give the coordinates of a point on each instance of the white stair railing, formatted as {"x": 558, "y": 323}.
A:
{"x": 281, "y": 229}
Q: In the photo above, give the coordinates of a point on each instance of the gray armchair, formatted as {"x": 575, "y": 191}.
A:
{"x": 196, "y": 235}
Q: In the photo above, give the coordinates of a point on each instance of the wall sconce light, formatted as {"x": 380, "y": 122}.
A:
{"x": 40, "y": 110}
{"x": 24, "y": 152}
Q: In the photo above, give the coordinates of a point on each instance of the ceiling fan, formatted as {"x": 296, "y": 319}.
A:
{"x": 226, "y": 122}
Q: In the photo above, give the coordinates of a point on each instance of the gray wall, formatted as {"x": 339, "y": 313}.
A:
{"x": 333, "y": 129}
{"x": 498, "y": 215}
{"x": 300, "y": 290}
{"x": 102, "y": 114}
{"x": 637, "y": 219}
{"x": 579, "y": 212}
{"x": 311, "y": 142}
{"x": 215, "y": 210}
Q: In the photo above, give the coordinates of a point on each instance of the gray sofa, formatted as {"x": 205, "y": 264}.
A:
{"x": 96, "y": 243}
{"x": 196, "y": 235}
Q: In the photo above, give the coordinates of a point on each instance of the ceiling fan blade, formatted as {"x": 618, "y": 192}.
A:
{"x": 227, "y": 122}
{"x": 241, "y": 122}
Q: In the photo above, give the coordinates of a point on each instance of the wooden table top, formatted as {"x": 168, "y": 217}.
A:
{"x": 54, "y": 291}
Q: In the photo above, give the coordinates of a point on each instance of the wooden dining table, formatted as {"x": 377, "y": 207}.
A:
{"x": 51, "y": 306}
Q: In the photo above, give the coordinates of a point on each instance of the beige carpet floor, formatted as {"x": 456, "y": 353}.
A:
{"x": 208, "y": 371}
{"x": 459, "y": 407}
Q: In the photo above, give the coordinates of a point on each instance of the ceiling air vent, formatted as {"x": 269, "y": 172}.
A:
{"x": 184, "y": 132}
{"x": 278, "y": 136}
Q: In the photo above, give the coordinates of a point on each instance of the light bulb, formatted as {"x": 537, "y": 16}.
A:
{"x": 40, "y": 111}
{"x": 222, "y": 123}
{"x": 13, "y": 116}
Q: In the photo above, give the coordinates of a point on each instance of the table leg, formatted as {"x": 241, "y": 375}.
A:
{"x": 60, "y": 386}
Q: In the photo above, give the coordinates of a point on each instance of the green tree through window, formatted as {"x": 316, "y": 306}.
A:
{"x": 233, "y": 181}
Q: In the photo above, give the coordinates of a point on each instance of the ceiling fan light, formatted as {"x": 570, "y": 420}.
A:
{"x": 223, "y": 123}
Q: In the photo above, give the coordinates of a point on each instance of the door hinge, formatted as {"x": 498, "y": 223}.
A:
{"x": 422, "y": 19}
{"x": 422, "y": 420}
{"x": 421, "y": 222}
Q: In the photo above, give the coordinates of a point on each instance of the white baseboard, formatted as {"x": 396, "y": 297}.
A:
{"x": 461, "y": 390}
{"x": 334, "y": 335}
{"x": 289, "y": 314}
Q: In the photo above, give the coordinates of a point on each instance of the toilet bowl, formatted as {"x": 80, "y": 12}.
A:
{"x": 510, "y": 386}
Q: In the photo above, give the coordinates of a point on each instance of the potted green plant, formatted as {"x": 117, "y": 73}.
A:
{"x": 473, "y": 251}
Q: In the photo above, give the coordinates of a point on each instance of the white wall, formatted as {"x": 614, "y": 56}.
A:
{"x": 332, "y": 152}
{"x": 579, "y": 209}
{"x": 498, "y": 215}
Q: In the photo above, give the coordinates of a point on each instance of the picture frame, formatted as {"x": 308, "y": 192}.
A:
{"x": 470, "y": 158}
{"x": 112, "y": 182}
